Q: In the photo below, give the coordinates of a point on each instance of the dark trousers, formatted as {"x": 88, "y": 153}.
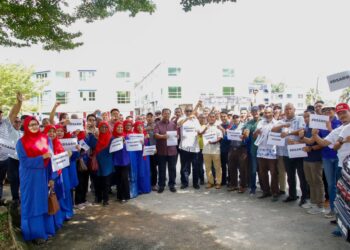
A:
{"x": 200, "y": 166}
{"x": 224, "y": 167}
{"x": 153, "y": 164}
{"x": 238, "y": 160}
{"x": 82, "y": 188}
{"x": 294, "y": 165}
{"x": 123, "y": 184}
{"x": 3, "y": 170}
{"x": 13, "y": 176}
{"x": 266, "y": 165}
{"x": 163, "y": 161}
{"x": 102, "y": 185}
{"x": 189, "y": 158}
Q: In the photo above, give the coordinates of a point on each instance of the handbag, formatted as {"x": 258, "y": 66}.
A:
{"x": 53, "y": 203}
{"x": 81, "y": 165}
{"x": 93, "y": 164}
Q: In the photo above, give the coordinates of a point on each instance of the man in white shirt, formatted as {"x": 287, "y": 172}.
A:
{"x": 211, "y": 151}
{"x": 6, "y": 129}
{"x": 189, "y": 129}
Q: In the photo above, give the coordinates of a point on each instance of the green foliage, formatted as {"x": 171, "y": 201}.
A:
{"x": 25, "y": 22}
{"x": 312, "y": 96}
{"x": 345, "y": 95}
{"x": 278, "y": 87}
{"x": 16, "y": 78}
{"x": 188, "y": 4}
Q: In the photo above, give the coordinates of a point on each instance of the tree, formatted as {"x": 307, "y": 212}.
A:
{"x": 188, "y": 4}
{"x": 16, "y": 78}
{"x": 261, "y": 79}
{"x": 312, "y": 96}
{"x": 278, "y": 87}
{"x": 345, "y": 95}
{"x": 26, "y": 22}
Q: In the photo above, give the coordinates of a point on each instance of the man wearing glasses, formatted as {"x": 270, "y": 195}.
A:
{"x": 8, "y": 133}
{"x": 189, "y": 129}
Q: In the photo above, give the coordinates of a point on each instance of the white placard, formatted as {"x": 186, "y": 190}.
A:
{"x": 209, "y": 137}
{"x": 133, "y": 145}
{"x": 296, "y": 150}
{"x": 69, "y": 144}
{"x": 149, "y": 150}
{"x": 259, "y": 140}
{"x": 318, "y": 121}
{"x": 60, "y": 161}
{"x": 7, "y": 147}
{"x": 234, "y": 135}
{"x": 189, "y": 131}
{"x": 116, "y": 145}
{"x": 136, "y": 137}
{"x": 84, "y": 145}
{"x": 75, "y": 124}
{"x": 339, "y": 81}
{"x": 276, "y": 139}
{"x": 172, "y": 138}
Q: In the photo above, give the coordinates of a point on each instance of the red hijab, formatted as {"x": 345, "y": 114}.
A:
{"x": 115, "y": 132}
{"x": 57, "y": 146}
{"x": 103, "y": 138}
{"x": 138, "y": 123}
{"x": 34, "y": 144}
{"x": 126, "y": 122}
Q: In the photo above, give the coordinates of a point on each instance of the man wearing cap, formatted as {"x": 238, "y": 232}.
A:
{"x": 6, "y": 133}
{"x": 334, "y": 139}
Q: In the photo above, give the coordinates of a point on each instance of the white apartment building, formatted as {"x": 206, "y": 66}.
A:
{"x": 84, "y": 90}
{"x": 173, "y": 85}
{"x": 295, "y": 95}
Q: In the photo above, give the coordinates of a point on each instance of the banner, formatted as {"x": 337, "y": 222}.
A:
{"x": 69, "y": 144}
{"x": 234, "y": 135}
{"x": 75, "y": 124}
{"x": 7, "y": 147}
{"x": 210, "y": 137}
{"x": 318, "y": 121}
{"x": 83, "y": 145}
{"x": 116, "y": 145}
{"x": 339, "y": 81}
{"x": 296, "y": 151}
{"x": 276, "y": 139}
{"x": 149, "y": 150}
{"x": 60, "y": 161}
{"x": 133, "y": 145}
{"x": 172, "y": 138}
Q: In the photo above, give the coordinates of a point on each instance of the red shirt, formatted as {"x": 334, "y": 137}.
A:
{"x": 161, "y": 128}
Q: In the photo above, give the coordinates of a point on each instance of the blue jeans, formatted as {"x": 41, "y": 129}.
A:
{"x": 189, "y": 158}
{"x": 13, "y": 176}
{"x": 3, "y": 170}
{"x": 253, "y": 168}
{"x": 333, "y": 173}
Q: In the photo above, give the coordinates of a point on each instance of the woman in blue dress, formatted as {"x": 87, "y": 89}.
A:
{"x": 33, "y": 153}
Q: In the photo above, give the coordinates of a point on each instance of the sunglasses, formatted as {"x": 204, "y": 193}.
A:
{"x": 188, "y": 110}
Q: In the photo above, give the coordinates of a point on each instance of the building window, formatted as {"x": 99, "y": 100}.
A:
{"x": 300, "y": 105}
{"x": 91, "y": 96}
{"x": 172, "y": 71}
{"x": 88, "y": 95}
{"x": 123, "y": 74}
{"x": 123, "y": 97}
{"x": 228, "y": 72}
{"x": 62, "y": 97}
{"x": 228, "y": 91}
{"x": 63, "y": 74}
{"x": 174, "y": 92}
{"x": 86, "y": 74}
{"x": 289, "y": 96}
{"x": 41, "y": 75}
{"x": 300, "y": 96}
{"x": 280, "y": 96}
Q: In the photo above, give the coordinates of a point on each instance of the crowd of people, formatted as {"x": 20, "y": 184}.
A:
{"x": 220, "y": 149}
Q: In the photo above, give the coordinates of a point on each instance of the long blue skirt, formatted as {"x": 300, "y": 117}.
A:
{"x": 34, "y": 228}
{"x": 133, "y": 175}
{"x": 144, "y": 174}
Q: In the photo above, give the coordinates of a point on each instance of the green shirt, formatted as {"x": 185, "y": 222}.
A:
{"x": 251, "y": 126}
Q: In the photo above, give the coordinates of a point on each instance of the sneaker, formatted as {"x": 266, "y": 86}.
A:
{"x": 183, "y": 186}
{"x": 308, "y": 205}
{"x": 160, "y": 190}
{"x": 316, "y": 210}
{"x": 172, "y": 189}
{"x": 330, "y": 215}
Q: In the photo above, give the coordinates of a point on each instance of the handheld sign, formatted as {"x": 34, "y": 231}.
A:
{"x": 133, "y": 145}
{"x": 210, "y": 137}
{"x": 189, "y": 131}
{"x": 7, "y": 147}
{"x": 60, "y": 161}
{"x": 75, "y": 124}
{"x": 69, "y": 144}
{"x": 276, "y": 139}
{"x": 116, "y": 145}
{"x": 234, "y": 135}
{"x": 318, "y": 121}
{"x": 172, "y": 138}
{"x": 339, "y": 81}
{"x": 296, "y": 151}
{"x": 149, "y": 150}
{"x": 84, "y": 145}
{"x": 136, "y": 137}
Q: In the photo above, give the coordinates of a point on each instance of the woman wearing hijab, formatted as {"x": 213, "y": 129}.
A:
{"x": 134, "y": 191}
{"x": 33, "y": 154}
{"x": 105, "y": 163}
{"x": 121, "y": 162}
{"x": 143, "y": 163}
